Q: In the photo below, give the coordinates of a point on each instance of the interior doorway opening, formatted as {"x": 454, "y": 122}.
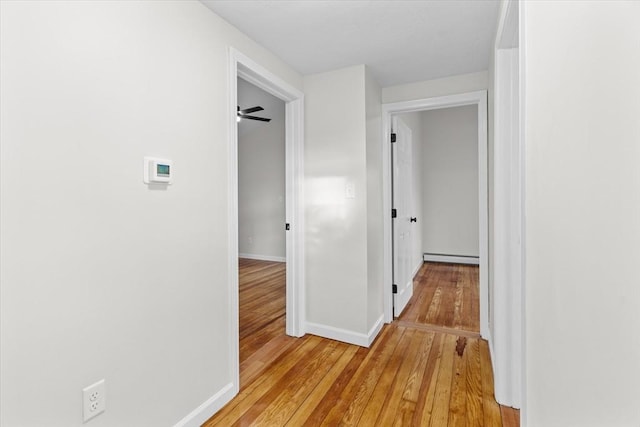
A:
{"x": 478, "y": 99}
{"x": 243, "y": 67}
{"x": 261, "y": 219}
{"x": 435, "y": 229}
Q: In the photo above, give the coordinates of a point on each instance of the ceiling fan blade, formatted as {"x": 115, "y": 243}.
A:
{"x": 262, "y": 119}
{"x": 251, "y": 110}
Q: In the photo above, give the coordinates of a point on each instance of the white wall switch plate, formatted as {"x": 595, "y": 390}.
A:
{"x": 350, "y": 190}
{"x": 94, "y": 400}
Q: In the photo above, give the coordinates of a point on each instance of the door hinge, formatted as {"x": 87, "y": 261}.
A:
{"x": 287, "y": 226}
{"x": 394, "y": 289}
{"x": 394, "y": 213}
{"x": 393, "y": 138}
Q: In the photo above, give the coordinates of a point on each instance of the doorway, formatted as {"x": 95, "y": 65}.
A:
{"x": 261, "y": 219}
{"x": 250, "y": 71}
{"x": 442, "y": 197}
{"x": 478, "y": 99}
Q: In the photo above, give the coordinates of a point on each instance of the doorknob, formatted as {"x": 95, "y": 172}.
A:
{"x": 414, "y": 219}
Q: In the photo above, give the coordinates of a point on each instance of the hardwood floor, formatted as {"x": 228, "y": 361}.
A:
{"x": 411, "y": 375}
{"x": 262, "y": 304}
{"x": 445, "y": 295}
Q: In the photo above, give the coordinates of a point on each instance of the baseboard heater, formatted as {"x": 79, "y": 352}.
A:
{"x": 262, "y": 257}
{"x": 455, "y": 259}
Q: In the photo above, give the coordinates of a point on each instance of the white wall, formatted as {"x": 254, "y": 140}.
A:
{"x": 437, "y": 87}
{"x": 102, "y": 277}
{"x": 342, "y": 135}
{"x": 450, "y": 181}
{"x": 374, "y": 143}
{"x": 261, "y": 176}
{"x": 414, "y": 122}
{"x": 336, "y": 227}
{"x": 582, "y": 104}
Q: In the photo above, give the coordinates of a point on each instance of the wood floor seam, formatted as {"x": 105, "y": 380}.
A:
{"x": 438, "y": 329}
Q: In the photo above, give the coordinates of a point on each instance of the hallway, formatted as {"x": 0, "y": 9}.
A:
{"x": 413, "y": 374}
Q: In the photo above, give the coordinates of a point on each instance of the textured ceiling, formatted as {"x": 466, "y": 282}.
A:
{"x": 401, "y": 41}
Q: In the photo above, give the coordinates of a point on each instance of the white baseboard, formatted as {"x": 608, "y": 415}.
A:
{"x": 455, "y": 259}
{"x": 504, "y": 392}
{"x": 212, "y": 405}
{"x": 497, "y": 373}
{"x": 350, "y": 337}
{"x": 263, "y": 257}
{"x": 375, "y": 330}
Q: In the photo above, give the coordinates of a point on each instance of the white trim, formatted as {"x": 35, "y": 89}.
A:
{"x": 483, "y": 214}
{"x": 454, "y": 259}
{"x": 523, "y": 219}
{"x": 375, "y": 330}
{"x": 295, "y": 269}
{"x": 387, "y": 225}
{"x": 478, "y": 98}
{"x": 508, "y": 234}
{"x": 212, "y": 405}
{"x": 435, "y": 103}
{"x": 262, "y": 257}
{"x": 242, "y": 66}
{"x": 350, "y": 337}
{"x": 232, "y": 214}
{"x": 254, "y": 73}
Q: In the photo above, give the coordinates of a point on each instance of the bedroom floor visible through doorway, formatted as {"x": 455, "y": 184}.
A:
{"x": 445, "y": 295}
{"x": 262, "y": 310}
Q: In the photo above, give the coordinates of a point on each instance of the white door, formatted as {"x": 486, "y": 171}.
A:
{"x": 402, "y": 223}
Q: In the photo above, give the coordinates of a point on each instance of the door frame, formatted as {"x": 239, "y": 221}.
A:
{"x": 242, "y": 66}
{"x": 478, "y": 98}
{"x": 508, "y": 278}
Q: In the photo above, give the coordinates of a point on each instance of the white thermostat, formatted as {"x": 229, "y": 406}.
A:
{"x": 157, "y": 171}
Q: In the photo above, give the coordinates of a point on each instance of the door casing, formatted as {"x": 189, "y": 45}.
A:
{"x": 242, "y": 66}
{"x": 509, "y": 239}
{"x": 478, "y": 98}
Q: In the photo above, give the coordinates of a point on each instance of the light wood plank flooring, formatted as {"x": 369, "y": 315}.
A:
{"x": 445, "y": 295}
{"x": 411, "y": 375}
{"x": 262, "y": 304}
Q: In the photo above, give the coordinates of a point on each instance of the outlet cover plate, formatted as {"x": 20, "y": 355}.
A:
{"x": 94, "y": 400}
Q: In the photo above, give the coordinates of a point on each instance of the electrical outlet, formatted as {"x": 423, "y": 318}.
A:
{"x": 94, "y": 400}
